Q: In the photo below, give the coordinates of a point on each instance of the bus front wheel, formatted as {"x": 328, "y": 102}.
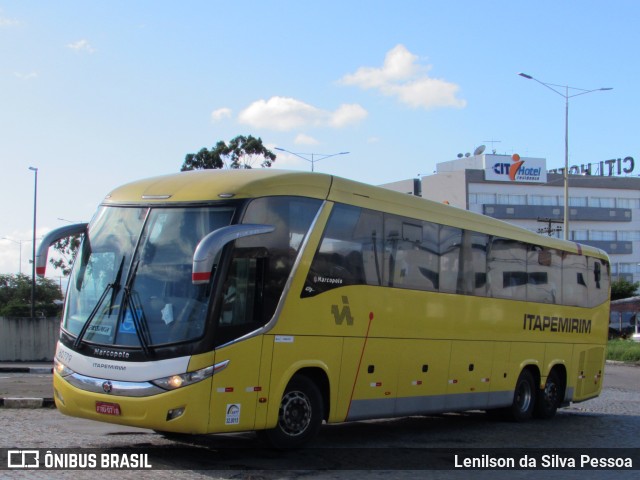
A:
{"x": 299, "y": 415}
{"x": 524, "y": 397}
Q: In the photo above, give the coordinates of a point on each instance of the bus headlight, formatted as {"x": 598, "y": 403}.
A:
{"x": 182, "y": 380}
{"x": 61, "y": 369}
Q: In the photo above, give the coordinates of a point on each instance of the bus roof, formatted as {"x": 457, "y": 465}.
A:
{"x": 210, "y": 185}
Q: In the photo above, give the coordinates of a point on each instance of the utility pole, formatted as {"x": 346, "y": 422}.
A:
{"x": 550, "y": 229}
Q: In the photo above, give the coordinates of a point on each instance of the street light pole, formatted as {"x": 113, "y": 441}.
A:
{"x": 313, "y": 158}
{"x": 33, "y": 256}
{"x": 566, "y": 96}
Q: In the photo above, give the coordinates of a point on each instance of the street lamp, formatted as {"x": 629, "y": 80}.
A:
{"x": 566, "y": 96}
{"x": 33, "y": 257}
{"x": 19, "y": 242}
{"x": 313, "y": 158}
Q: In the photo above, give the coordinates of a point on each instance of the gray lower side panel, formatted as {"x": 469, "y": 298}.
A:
{"x": 399, "y": 407}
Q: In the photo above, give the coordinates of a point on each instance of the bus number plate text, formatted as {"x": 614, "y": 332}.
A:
{"x": 106, "y": 408}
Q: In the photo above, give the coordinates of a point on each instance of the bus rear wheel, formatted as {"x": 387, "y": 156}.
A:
{"x": 299, "y": 416}
{"x": 550, "y": 398}
{"x": 524, "y": 398}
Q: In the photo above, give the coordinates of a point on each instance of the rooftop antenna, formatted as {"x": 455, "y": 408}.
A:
{"x": 479, "y": 150}
{"x": 492, "y": 144}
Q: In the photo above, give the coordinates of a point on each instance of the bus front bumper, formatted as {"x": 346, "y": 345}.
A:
{"x": 184, "y": 410}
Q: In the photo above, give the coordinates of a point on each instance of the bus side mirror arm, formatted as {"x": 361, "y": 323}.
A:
{"x": 211, "y": 245}
{"x": 51, "y": 238}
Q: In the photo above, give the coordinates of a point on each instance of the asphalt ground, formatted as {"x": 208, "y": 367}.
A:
{"x": 26, "y": 385}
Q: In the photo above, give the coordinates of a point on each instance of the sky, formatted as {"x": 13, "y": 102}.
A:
{"x": 97, "y": 94}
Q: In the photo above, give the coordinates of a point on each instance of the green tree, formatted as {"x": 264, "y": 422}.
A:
{"x": 67, "y": 249}
{"x": 622, "y": 288}
{"x": 241, "y": 152}
{"x": 15, "y": 296}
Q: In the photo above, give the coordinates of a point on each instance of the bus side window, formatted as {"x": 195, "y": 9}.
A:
{"x": 350, "y": 252}
{"x": 574, "y": 274}
{"x": 240, "y": 293}
{"x": 473, "y": 278}
{"x": 507, "y": 269}
{"x": 449, "y": 249}
{"x": 597, "y": 281}
{"x": 429, "y": 261}
{"x": 411, "y": 253}
{"x": 544, "y": 275}
{"x": 243, "y": 294}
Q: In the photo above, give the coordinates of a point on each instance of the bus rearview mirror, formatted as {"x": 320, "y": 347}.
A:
{"x": 211, "y": 245}
{"x": 51, "y": 238}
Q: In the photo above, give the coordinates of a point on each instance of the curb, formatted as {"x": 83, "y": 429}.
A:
{"x": 26, "y": 370}
{"x": 10, "y": 402}
{"x": 27, "y": 402}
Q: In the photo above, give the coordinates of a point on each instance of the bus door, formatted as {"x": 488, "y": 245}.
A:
{"x": 244, "y": 364}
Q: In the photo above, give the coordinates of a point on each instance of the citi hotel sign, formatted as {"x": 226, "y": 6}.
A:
{"x": 533, "y": 170}
{"x": 605, "y": 168}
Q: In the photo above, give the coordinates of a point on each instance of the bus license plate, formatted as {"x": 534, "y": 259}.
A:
{"x": 107, "y": 408}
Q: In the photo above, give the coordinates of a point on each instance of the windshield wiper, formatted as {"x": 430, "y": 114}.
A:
{"x": 114, "y": 286}
{"x": 130, "y": 302}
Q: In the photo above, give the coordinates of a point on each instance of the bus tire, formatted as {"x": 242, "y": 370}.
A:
{"x": 550, "y": 397}
{"x": 299, "y": 415}
{"x": 524, "y": 398}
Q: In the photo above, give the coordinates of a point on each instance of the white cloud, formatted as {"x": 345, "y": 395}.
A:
{"x": 7, "y": 22}
{"x": 403, "y": 78}
{"x": 347, "y": 114}
{"x": 399, "y": 64}
{"x": 302, "y": 139}
{"x": 26, "y": 76}
{"x": 220, "y": 114}
{"x": 286, "y": 113}
{"x": 81, "y": 46}
{"x": 280, "y": 113}
{"x": 427, "y": 93}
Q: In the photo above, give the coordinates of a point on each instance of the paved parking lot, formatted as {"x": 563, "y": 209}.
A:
{"x": 383, "y": 448}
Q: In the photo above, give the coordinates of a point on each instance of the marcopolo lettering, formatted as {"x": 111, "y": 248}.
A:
{"x": 110, "y": 353}
{"x": 546, "y": 323}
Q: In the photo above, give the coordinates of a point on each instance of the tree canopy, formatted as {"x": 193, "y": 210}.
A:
{"x": 241, "y": 152}
{"x": 622, "y": 288}
{"x": 67, "y": 249}
{"x": 15, "y": 296}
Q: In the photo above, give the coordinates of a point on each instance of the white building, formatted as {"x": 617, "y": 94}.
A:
{"x": 604, "y": 207}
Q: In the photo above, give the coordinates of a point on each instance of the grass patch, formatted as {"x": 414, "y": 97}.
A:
{"x": 623, "y": 350}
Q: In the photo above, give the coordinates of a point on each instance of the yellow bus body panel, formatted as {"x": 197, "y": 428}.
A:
{"x": 234, "y": 399}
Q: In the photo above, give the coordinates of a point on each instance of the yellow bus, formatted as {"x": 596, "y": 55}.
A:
{"x": 274, "y": 301}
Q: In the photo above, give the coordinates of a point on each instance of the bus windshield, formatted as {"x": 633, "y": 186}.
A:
{"x": 131, "y": 283}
